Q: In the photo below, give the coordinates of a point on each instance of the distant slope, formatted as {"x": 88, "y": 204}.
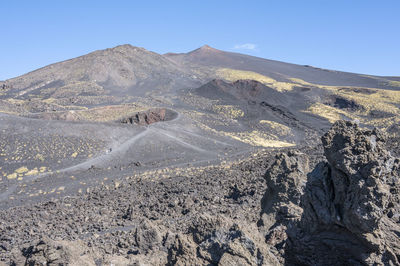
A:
{"x": 128, "y": 74}
{"x": 208, "y": 56}
{"x": 132, "y": 71}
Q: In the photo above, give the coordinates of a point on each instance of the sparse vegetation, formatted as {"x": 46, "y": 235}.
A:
{"x": 229, "y": 111}
{"x": 330, "y": 113}
{"x": 234, "y": 75}
{"x": 257, "y": 138}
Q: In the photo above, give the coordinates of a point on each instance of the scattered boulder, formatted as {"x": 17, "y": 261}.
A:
{"x": 49, "y": 252}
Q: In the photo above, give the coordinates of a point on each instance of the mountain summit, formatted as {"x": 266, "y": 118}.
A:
{"x": 204, "y": 49}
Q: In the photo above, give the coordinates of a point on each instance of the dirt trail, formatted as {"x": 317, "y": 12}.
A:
{"x": 118, "y": 151}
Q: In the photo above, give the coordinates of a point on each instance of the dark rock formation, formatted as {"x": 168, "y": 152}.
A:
{"x": 350, "y": 203}
{"x": 286, "y": 179}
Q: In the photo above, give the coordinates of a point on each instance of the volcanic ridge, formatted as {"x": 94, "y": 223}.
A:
{"x": 128, "y": 157}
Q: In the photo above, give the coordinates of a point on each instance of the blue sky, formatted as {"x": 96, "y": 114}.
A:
{"x": 359, "y": 36}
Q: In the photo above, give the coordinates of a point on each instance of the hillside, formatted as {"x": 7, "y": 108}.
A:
{"x": 125, "y": 156}
{"x": 101, "y": 77}
{"x": 208, "y": 56}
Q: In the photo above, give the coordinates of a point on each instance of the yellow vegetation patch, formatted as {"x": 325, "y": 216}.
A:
{"x": 12, "y": 176}
{"x": 394, "y": 83}
{"x": 50, "y": 100}
{"x": 234, "y": 75}
{"x": 34, "y": 171}
{"x": 39, "y": 157}
{"x": 106, "y": 113}
{"x": 21, "y": 170}
{"x": 381, "y": 100}
{"x": 229, "y": 111}
{"x": 74, "y": 155}
{"x": 257, "y": 138}
{"x": 302, "y": 82}
{"x": 330, "y": 113}
{"x": 278, "y": 127}
{"x": 16, "y": 101}
{"x": 387, "y": 82}
{"x": 371, "y": 99}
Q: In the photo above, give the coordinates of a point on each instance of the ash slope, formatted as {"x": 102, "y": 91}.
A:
{"x": 44, "y": 159}
{"x": 122, "y": 70}
{"x": 226, "y": 104}
{"x": 208, "y": 56}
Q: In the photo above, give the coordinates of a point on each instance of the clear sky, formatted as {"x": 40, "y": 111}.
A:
{"x": 361, "y": 36}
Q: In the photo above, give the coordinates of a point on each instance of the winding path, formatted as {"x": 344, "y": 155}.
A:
{"x": 120, "y": 149}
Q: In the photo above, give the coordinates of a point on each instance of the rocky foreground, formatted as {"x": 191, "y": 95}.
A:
{"x": 292, "y": 208}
